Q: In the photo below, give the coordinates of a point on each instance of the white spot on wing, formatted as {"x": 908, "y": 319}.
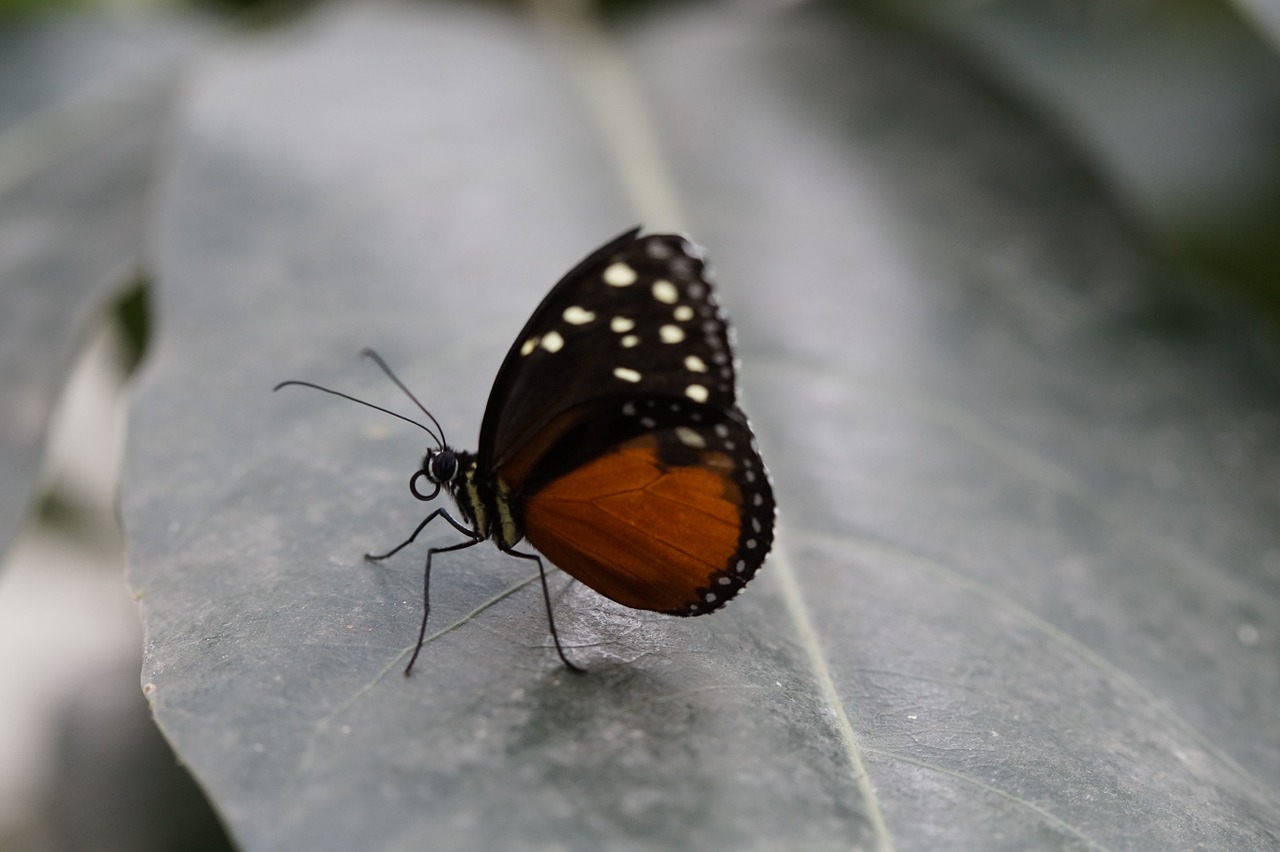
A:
{"x": 621, "y": 324}
{"x": 552, "y": 341}
{"x": 697, "y": 393}
{"x": 529, "y": 345}
{"x": 619, "y": 275}
{"x": 694, "y": 364}
{"x": 576, "y": 315}
{"x": 665, "y": 291}
{"x": 630, "y": 340}
{"x": 671, "y": 334}
{"x": 689, "y": 437}
{"x": 683, "y": 313}
{"x": 626, "y": 374}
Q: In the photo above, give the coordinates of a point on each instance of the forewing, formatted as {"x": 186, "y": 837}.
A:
{"x": 635, "y": 320}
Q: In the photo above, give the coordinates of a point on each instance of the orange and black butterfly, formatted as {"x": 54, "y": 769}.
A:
{"x": 613, "y": 441}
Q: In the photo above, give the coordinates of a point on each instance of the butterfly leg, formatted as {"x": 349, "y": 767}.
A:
{"x": 551, "y": 619}
{"x": 470, "y": 533}
{"x": 426, "y": 587}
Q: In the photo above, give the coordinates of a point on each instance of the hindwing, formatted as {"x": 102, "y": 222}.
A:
{"x": 676, "y": 519}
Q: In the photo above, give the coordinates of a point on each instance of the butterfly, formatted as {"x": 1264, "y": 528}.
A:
{"x": 612, "y": 441}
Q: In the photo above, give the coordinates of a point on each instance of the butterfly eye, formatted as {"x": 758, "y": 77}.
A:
{"x": 442, "y": 467}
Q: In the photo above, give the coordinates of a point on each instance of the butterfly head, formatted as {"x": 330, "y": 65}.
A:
{"x": 440, "y": 467}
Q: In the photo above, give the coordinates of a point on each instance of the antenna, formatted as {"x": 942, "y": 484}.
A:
{"x": 438, "y": 438}
{"x": 369, "y": 353}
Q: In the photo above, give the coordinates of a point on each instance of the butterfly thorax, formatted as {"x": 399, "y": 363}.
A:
{"x": 484, "y": 500}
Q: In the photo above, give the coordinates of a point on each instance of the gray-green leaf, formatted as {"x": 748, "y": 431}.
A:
{"x": 1025, "y": 589}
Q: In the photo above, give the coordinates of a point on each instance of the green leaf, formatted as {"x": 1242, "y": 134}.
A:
{"x": 1025, "y": 589}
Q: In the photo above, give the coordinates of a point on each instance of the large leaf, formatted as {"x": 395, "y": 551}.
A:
{"x": 1025, "y": 588}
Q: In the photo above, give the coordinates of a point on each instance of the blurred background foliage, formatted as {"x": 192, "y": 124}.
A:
{"x": 1175, "y": 105}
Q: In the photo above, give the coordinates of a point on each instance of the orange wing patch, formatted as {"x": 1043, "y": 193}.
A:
{"x": 646, "y": 535}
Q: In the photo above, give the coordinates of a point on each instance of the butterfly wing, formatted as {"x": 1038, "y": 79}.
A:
{"x": 675, "y": 520}
{"x": 614, "y": 423}
{"x": 635, "y": 318}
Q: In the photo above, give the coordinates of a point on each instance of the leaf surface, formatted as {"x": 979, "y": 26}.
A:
{"x": 1024, "y": 592}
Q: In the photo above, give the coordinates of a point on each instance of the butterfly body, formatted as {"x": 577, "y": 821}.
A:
{"x": 483, "y": 501}
{"x": 612, "y": 440}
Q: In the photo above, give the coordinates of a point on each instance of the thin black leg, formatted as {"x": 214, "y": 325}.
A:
{"x": 551, "y": 619}
{"x": 426, "y": 588}
{"x": 442, "y": 513}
